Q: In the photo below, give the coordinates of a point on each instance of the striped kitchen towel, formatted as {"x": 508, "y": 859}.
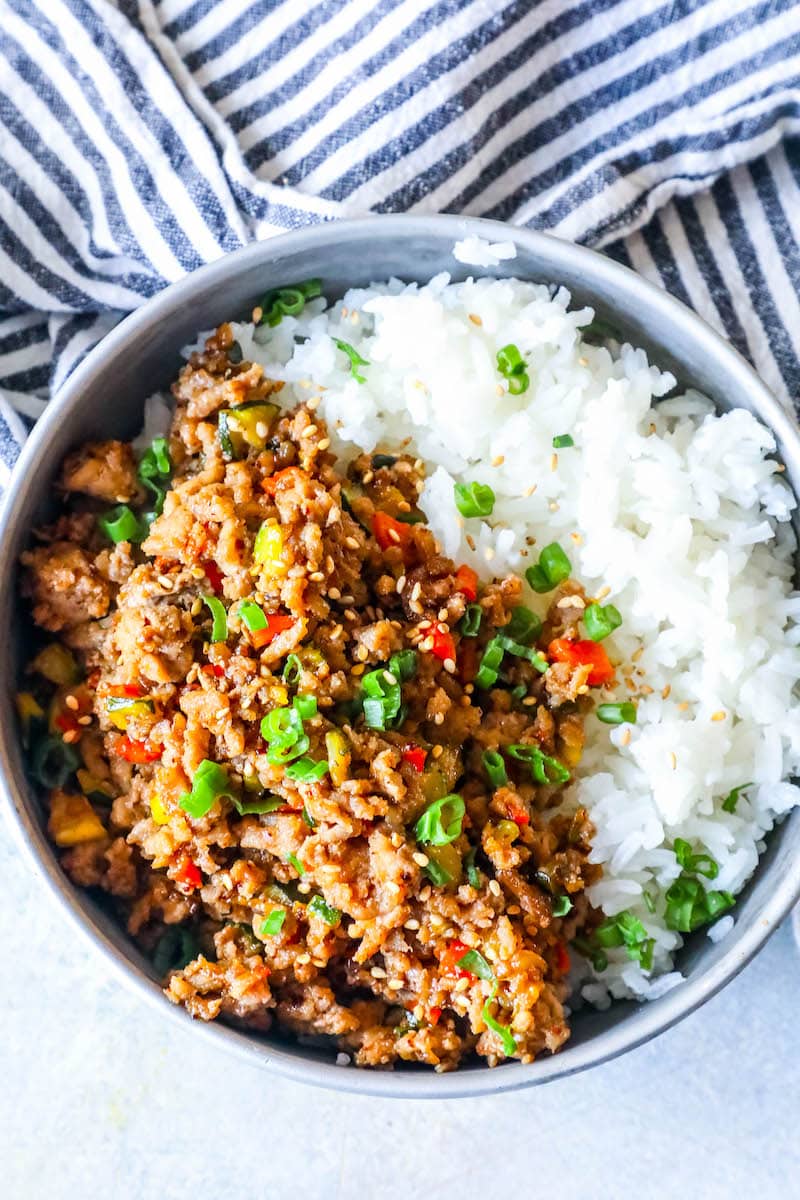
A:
{"x": 140, "y": 138}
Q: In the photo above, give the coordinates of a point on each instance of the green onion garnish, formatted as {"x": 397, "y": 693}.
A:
{"x": 563, "y": 441}
{"x": 382, "y": 698}
{"x": 174, "y": 950}
{"x": 514, "y": 368}
{"x": 355, "y": 359}
{"x": 306, "y": 706}
{"x": 524, "y": 625}
{"x": 472, "y": 872}
{"x": 210, "y": 782}
{"x": 262, "y": 804}
{"x": 488, "y": 670}
{"x": 503, "y": 1032}
{"x": 495, "y": 768}
{"x": 543, "y": 768}
{"x": 598, "y": 958}
{"x": 470, "y": 623}
{"x": 473, "y": 499}
{"x": 511, "y": 647}
{"x": 552, "y": 568}
{"x": 253, "y": 615}
{"x": 308, "y": 819}
{"x": 441, "y": 821}
{"x": 219, "y": 623}
{"x": 649, "y": 901}
{"x": 474, "y": 962}
{"x": 617, "y": 714}
{"x": 600, "y": 622}
{"x": 295, "y": 862}
{"x": 292, "y": 669}
{"x": 121, "y": 524}
{"x": 318, "y": 908}
{"x": 305, "y": 770}
{"x": 403, "y": 665}
{"x": 283, "y": 729}
{"x": 698, "y": 864}
{"x": 732, "y": 798}
{"x": 627, "y": 930}
{"x": 155, "y": 468}
{"x": 288, "y": 301}
{"x": 53, "y": 761}
{"x": 273, "y": 923}
{"x": 561, "y": 905}
{"x": 689, "y": 905}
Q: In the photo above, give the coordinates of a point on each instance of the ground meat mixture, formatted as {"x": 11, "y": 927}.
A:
{"x": 271, "y": 732}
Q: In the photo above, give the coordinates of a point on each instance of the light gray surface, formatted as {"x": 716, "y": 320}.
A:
{"x": 141, "y": 352}
{"x": 100, "y": 1098}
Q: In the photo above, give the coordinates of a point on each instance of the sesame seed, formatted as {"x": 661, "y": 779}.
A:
{"x": 513, "y": 910}
{"x": 577, "y": 539}
{"x": 197, "y": 607}
{"x": 437, "y": 751}
{"x": 72, "y": 702}
{"x": 351, "y": 542}
{"x": 412, "y": 923}
{"x": 470, "y": 541}
{"x": 389, "y": 677}
{"x": 165, "y": 582}
{"x": 354, "y": 318}
{"x": 646, "y": 690}
{"x": 378, "y": 973}
{"x": 415, "y": 591}
{"x": 420, "y": 859}
{"x": 666, "y": 691}
{"x": 84, "y": 720}
{"x": 354, "y": 930}
{"x": 316, "y": 577}
{"x": 462, "y": 985}
{"x": 310, "y": 430}
{"x": 304, "y": 888}
{"x": 395, "y": 985}
{"x": 583, "y": 362}
{"x": 71, "y": 736}
{"x": 501, "y": 391}
{"x": 442, "y": 615}
{"x": 435, "y": 919}
{"x": 323, "y": 443}
{"x": 438, "y": 719}
{"x": 261, "y": 429}
{"x": 313, "y": 403}
{"x": 220, "y": 714}
{"x": 475, "y": 318}
{"x": 625, "y": 737}
{"x": 362, "y": 653}
{"x": 449, "y": 666}
{"x": 553, "y": 506}
{"x": 425, "y": 894}
{"x": 368, "y": 477}
{"x": 257, "y": 314}
{"x": 488, "y": 554}
{"x": 529, "y": 491}
{"x": 604, "y": 591}
{"x": 196, "y": 572}
{"x": 348, "y": 600}
{"x": 334, "y": 593}
{"x": 498, "y": 460}
{"x": 553, "y": 461}
{"x": 780, "y": 467}
{"x": 303, "y": 959}
{"x": 494, "y": 888}
{"x": 673, "y": 759}
{"x": 529, "y": 701}
{"x": 397, "y": 840}
{"x": 401, "y": 583}
{"x": 719, "y": 715}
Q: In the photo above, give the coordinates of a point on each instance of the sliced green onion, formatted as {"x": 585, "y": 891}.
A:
{"x": 495, "y": 768}
{"x": 470, "y": 623}
{"x": 219, "y": 623}
{"x": 437, "y": 874}
{"x": 174, "y": 950}
{"x": 121, "y": 524}
{"x": 292, "y": 669}
{"x": 382, "y": 698}
{"x": 441, "y": 821}
{"x": 514, "y": 368}
{"x": 210, "y": 782}
{"x": 288, "y": 301}
{"x": 524, "y": 625}
{"x": 474, "y": 962}
{"x": 503, "y": 1031}
{"x": 355, "y": 359}
{"x": 318, "y": 908}
{"x": 273, "y": 923}
{"x": 517, "y": 384}
{"x": 253, "y": 615}
{"x": 122, "y": 703}
{"x": 689, "y": 905}
{"x": 543, "y": 768}
{"x": 295, "y": 862}
{"x": 627, "y": 930}
{"x": 563, "y": 441}
{"x": 306, "y": 706}
{"x": 53, "y": 761}
{"x": 732, "y": 798}
{"x": 156, "y": 460}
{"x": 308, "y": 819}
{"x": 598, "y": 958}
{"x": 403, "y": 665}
{"x": 649, "y": 901}
{"x": 600, "y": 622}
{"x": 617, "y": 714}
{"x": 258, "y": 806}
{"x": 305, "y": 770}
{"x": 474, "y": 499}
{"x": 561, "y": 906}
{"x": 697, "y": 864}
{"x": 472, "y": 872}
{"x": 552, "y": 568}
{"x": 520, "y": 651}
{"x": 489, "y": 668}
{"x": 283, "y": 729}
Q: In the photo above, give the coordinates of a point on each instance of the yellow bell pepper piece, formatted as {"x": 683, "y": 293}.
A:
{"x": 270, "y": 551}
{"x": 91, "y": 783}
{"x": 28, "y": 708}
{"x": 157, "y": 810}
{"x": 120, "y": 710}
{"x": 73, "y": 820}
{"x": 338, "y": 756}
{"x": 57, "y": 664}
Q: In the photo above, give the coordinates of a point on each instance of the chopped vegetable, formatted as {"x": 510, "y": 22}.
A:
{"x": 120, "y": 524}
{"x": 155, "y": 468}
{"x": 502, "y": 1031}
{"x": 415, "y": 756}
{"x": 292, "y": 669}
{"x": 513, "y": 367}
{"x": 138, "y": 752}
{"x": 317, "y": 907}
{"x": 470, "y": 623}
{"x": 597, "y": 957}
{"x": 627, "y": 930}
{"x": 495, "y": 768}
{"x": 339, "y": 756}
{"x": 257, "y": 806}
{"x": 467, "y": 582}
{"x": 288, "y": 301}
{"x": 73, "y": 821}
{"x": 56, "y": 663}
{"x": 53, "y": 761}
{"x": 561, "y": 906}
{"x": 490, "y": 664}
{"x": 121, "y": 708}
{"x": 355, "y": 359}
{"x": 441, "y": 821}
{"x": 473, "y": 874}
{"x": 188, "y": 873}
{"x": 689, "y": 905}
{"x": 283, "y": 730}
{"x": 306, "y": 705}
{"x": 732, "y": 798}
{"x": 544, "y": 768}
{"x": 174, "y": 950}
{"x": 245, "y": 427}
{"x": 617, "y": 714}
{"x": 390, "y": 532}
{"x": 157, "y": 810}
{"x": 209, "y": 783}
{"x": 443, "y": 648}
{"x": 474, "y": 499}
{"x": 444, "y": 864}
{"x": 473, "y": 963}
{"x": 524, "y": 625}
{"x": 698, "y": 864}
{"x": 563, "y": 441}
{"x": 582, "y": 654}
{"x": 382, "y": 698}
{"x": 295, "y": 862}
{"x": 305, "y": 770}
{"x": 403, "y": 665}
{"x": 273, "y": 923}
{"x": 519, "y": 651}
{"x": 552, "y": 568}
{"x": 219, "y": 624}
{"x": 600, "y": 622}
{"x": 269, "y": 549}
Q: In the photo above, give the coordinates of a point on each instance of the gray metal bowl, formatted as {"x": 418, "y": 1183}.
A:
{"x": 104, "y": 398}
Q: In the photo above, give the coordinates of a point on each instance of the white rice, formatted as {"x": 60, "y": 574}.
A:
{"x": 676, "y": 509}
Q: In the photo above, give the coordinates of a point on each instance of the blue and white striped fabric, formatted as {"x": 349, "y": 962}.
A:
{"x": 140, "y": 138}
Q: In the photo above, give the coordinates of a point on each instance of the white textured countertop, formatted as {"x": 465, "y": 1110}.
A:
{"x": 100, "y": 1098}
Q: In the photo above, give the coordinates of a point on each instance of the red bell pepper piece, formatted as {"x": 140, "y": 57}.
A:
{"x": 449, "y": 960}
{"x": 583, "y": 654}
{"x": 188, "y": 873}
{"x": 415, "y": 756}
{"x": 389, "y": 532}
{"x": 283, "y": 478}
{"x": 138, "y": 752}
{"x": 276, "y": 623}
{"x": 518, "y": 815}
{"x": 213, "y": 575}
{"x": 433, "y": 1014}
{"x": 563, "y": 961}
{"x": 443, "y": 645}
{"x": 467, "y": 582}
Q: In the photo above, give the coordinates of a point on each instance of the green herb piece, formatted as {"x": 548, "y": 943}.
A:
{"x": 219, "y": 621}
{"x": 696, "y": 864}
{"x": 732, "y": 798}
{"x": 355, "y": 359}
{"x": 472, "y": 872}
{"x": 552, "y": 568}
{"x": 617, "y": 714}
{"x": 257, "y": 806}
{"x": 403, "y": 665}
{"x": 292, "y": 669}
{"x": 121, "y": 524}
{"x": 495, "y": 768}
{"x": 600, "y": 622}
{"x": 318, "y": 908}
{"x": 305, "y": 770}
{"x": 253, "y": 615}
{"x": 437, "y": 874}
{"x": 474, "y": 962}
{"x": 523, "y": 627}
{"x": 283, "y": 730}
{"x": 273, "y": 923}
{"x": 627, "y": 930}
{"x": 490, "y": 664}
{"x": 441, "y": 821}
{"x": 382, "y": 698}
{"x": 470, "y": 623}
{"x": 53, "y": 761}
{"x": 513, "y": 367}
{"x": 306, "y": 705}
{"x": 155, "y": 468}
{"x": 561, "y": 905}
{"x": 503, "y": 1031}
{"x": 519, "y": 692}
{"x": 474, "y": 499}
{"x": 598, "y": 958}
{"x": 288, "y": 301}
{"x": 563, "y": 441}
{"x": 516, "y": 648}
{"x": 689, "y": 905}
{"x": 543, "y": 768}
{"x": 210, "y": 782}
{"x": 308, "y": 819}
{"x": 649, "y": 901}
{"x": 174, "y": 950}
{"x": 121, "y": 703}
{"x": 295, "y": 862}
{"x": 411, "y": 518}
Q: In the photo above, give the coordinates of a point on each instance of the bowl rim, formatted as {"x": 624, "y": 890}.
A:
{"x": 645, "y": 1021}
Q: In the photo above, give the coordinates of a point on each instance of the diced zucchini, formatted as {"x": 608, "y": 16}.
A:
{"x": 338, "y": 749}
{"x": 73, "y": 820}
{"x": 57, "y": 664}
{"x": 245, "y": 427}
